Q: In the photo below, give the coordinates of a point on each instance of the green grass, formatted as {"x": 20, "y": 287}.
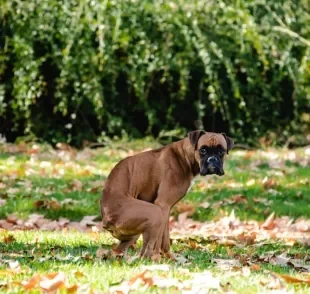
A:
{"x": 29, "y": 178}
{"x": 42, "y": 252}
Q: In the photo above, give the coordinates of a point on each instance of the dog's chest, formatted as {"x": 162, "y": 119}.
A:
{"x": 191, "y": 184}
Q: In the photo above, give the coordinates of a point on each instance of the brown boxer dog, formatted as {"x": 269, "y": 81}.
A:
{"x": 141, "y": 189}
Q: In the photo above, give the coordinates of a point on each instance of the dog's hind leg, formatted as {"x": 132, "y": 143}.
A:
{"x": 137, "y": 217}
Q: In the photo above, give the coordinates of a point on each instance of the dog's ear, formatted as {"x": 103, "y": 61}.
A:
{"x": 229, "y": 141}
{"x": 194, "y": 137}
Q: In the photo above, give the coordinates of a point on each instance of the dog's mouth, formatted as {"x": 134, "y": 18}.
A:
{"x": 211, "y": 170}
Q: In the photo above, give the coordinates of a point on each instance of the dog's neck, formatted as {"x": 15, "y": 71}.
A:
{"x": 189, "y": 156}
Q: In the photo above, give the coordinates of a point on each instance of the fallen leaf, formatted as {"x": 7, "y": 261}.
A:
{"x": 32, "y": 283}
{"x": 263, "y": 201}
{"x": 15, "y": 266}
{"x": 157, "y": 267}
{"x": 299, "y": 265}
{"x": 205, "y": 204}
{"x": 12, "y": 218}
{"x": 226, "y": 242}
{"x": 280, "y": 260}
{"x": 72, "y": 289}
{"x": 255, "y": 267}
{"x": 103, "y": 253}
{"x": 76, "y": 185}
{"x": 247, "y": 238}
{"x": 78, "y": 274}
{"x": 227, "y": 263}
{"x": 201, "y": 282}
{"x": 239, "y": 198}
{"x": 52, "y": 204}
{"x": 180, "y": 259}
{"x": 156, "y": 257}
{"x": 269, "y": 222}
{"x": 8, "y": 238}
{"x": 269, "y": 183}
{"x": 53, "y": 284}
{"x": 291, "y": 279}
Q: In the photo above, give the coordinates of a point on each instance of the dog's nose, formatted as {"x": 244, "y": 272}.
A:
{"x": 212, "y": 159}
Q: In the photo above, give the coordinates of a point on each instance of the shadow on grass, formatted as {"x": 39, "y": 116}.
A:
{"x": 40, "y": 255}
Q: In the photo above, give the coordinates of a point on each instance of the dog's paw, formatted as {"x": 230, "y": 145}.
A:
{"x": 170, "y": 255}
{"x": 156, "y": 257}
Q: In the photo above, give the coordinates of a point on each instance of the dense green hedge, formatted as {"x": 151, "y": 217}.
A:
{"x": 72, "y": 69}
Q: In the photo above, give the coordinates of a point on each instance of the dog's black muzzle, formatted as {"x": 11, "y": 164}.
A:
{"x": 211, "y": 165}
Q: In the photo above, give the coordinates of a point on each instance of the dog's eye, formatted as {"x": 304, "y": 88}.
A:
{"x": 221, "y": 152}
{"x": 203, "y": 151}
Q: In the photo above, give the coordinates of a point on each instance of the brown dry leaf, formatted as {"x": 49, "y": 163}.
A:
{"x": 8, "y": 238}
{"x": 269, "y": 223}
{"x": 133, "y": 284}
{"x": 156, "y": 257}
{"x": 193, "y": 244}
{"x": 302, "y": 225}
{"x": 270, "y": 183}
{"x": 247, "y": 238}
{"x": 53, "y": 204}
{"x": 239, "y": 198}
{"x": 53, "y": 284}
{"x": 12, "y": 218}
{"x": 32, "y": 283}
{"x": 273, "y": 283}
{"x": 78, "y": 274}
{"x": 226, "y": 242}
{"x": 255, "y": 267}
{"x": 76, "y": 185}
{"x": 72, "y": 289}
{"x": 291, "y": 279}
{"x": 39, "y": 204}
{"x": 144, "y": 277}
{"x": 103, "y": 253}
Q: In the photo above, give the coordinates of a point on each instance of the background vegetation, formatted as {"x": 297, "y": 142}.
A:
{"x": 75, "y": 70}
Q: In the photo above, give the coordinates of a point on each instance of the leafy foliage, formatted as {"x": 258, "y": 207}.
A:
{"x": 141, "y": 66}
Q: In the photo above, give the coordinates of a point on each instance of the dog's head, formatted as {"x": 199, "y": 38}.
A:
{"x": 210, "y": 150}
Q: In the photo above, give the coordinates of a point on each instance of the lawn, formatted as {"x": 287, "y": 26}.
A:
{"x": 246, "y": 232}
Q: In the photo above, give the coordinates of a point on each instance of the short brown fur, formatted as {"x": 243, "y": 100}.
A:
{"x": 141, "y": 190}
